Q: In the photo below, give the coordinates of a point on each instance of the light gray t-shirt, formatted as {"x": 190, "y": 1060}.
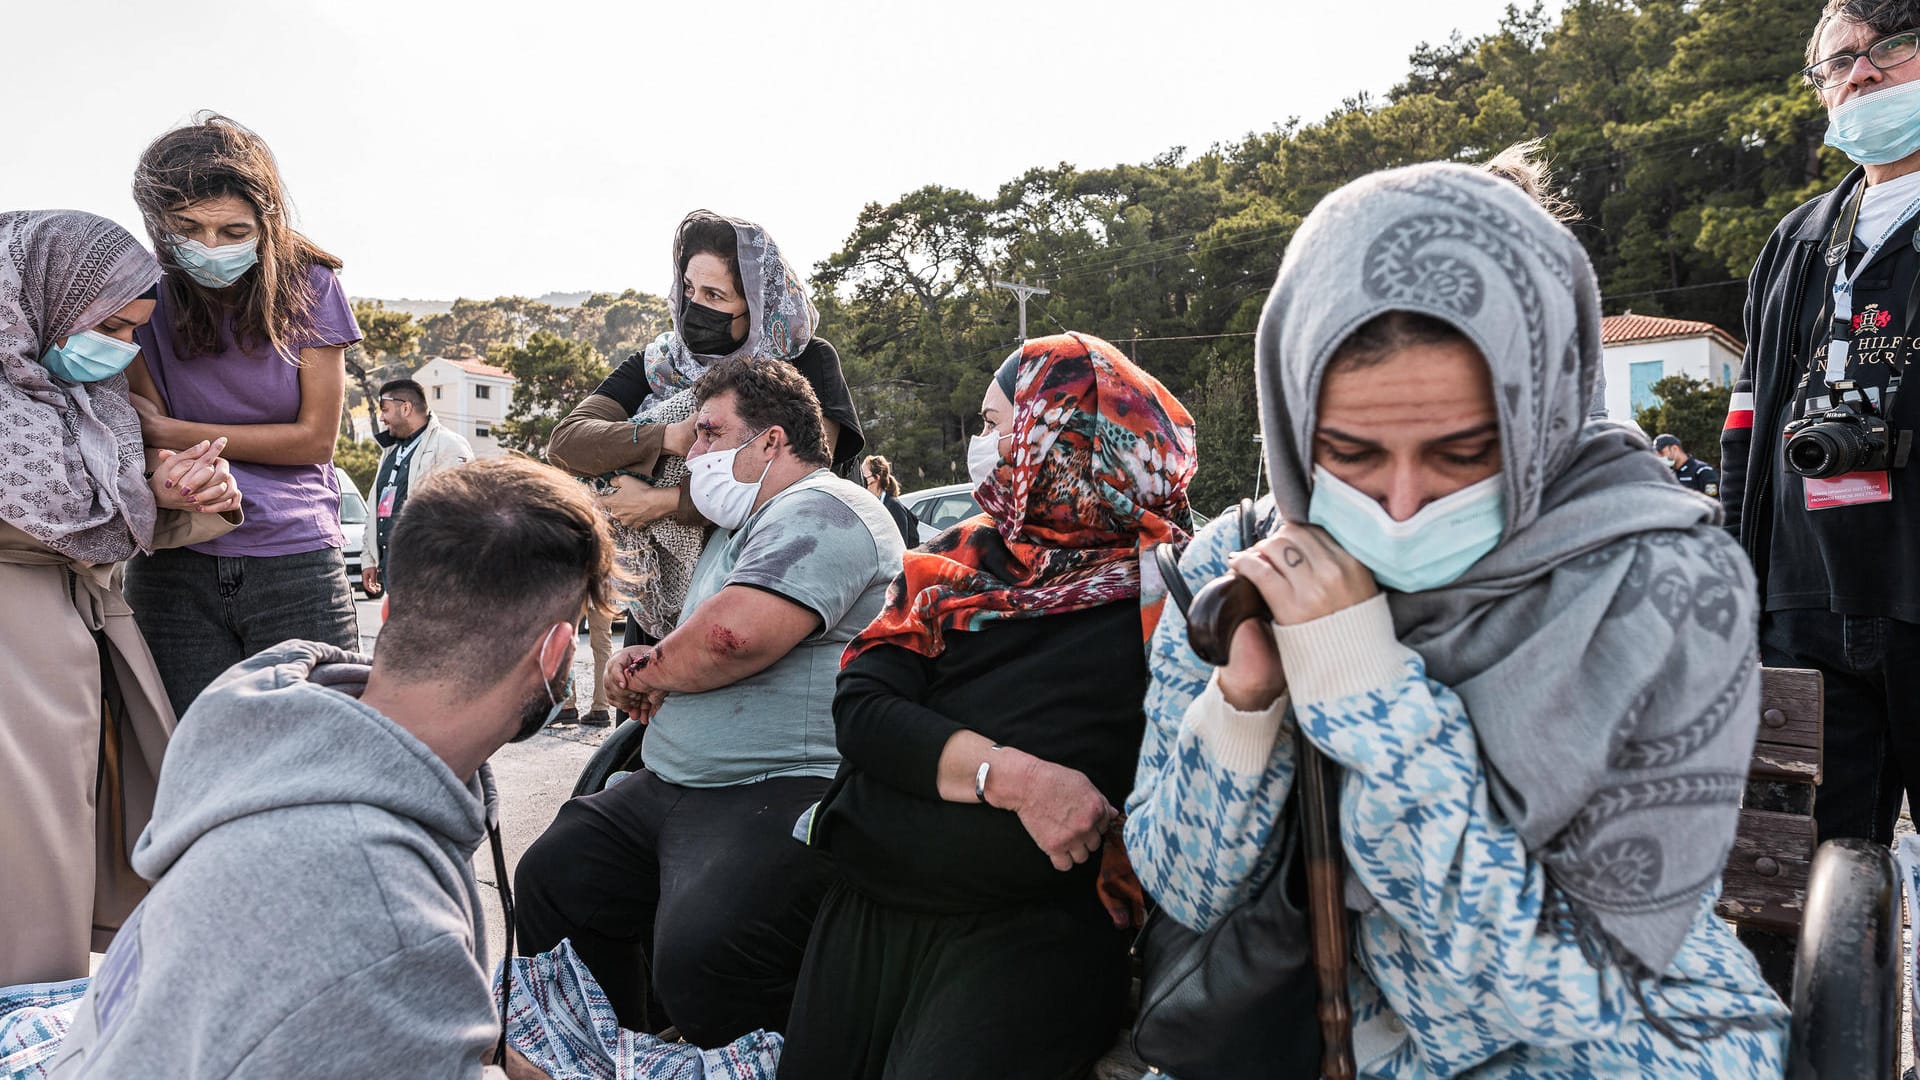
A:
{"x": 828, "y": 545}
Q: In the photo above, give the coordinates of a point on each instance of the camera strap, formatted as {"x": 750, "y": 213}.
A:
{"x": 1839, "y": 243}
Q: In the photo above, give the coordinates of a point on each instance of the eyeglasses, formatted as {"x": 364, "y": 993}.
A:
{"x": 1889, "y": 52}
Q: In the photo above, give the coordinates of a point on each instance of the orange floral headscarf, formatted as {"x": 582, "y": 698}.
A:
{"x": 1095, "y": 476}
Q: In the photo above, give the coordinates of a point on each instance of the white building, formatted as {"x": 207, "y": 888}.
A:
{"x": 1641, "y": 350}
{"x": 469, "y": 396}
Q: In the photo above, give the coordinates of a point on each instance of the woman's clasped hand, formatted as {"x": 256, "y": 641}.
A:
{"x": 197, "y": 478}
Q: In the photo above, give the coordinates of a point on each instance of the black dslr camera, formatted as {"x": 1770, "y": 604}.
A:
{"x": 1849, "y": 436}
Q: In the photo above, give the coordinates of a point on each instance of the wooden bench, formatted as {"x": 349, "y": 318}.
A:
{"x": 1764, "y": 886}
{"x": 1763, "y": 890}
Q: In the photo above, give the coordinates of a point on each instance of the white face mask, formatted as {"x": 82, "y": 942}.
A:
{"x": 983, "y": 456}
{"x": 724, "y": 500}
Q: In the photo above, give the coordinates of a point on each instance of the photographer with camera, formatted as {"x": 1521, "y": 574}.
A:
{"x": 1816, "y": 442}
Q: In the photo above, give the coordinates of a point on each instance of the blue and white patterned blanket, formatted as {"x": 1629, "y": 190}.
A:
{"x": 34, "y": 1018}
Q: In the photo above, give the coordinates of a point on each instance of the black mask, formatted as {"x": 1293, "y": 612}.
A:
{"x": 708, "y": 332}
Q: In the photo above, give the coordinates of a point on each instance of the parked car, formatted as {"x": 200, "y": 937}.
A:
{"x": 940, "y": 507}
{"x": 353, "y": 523}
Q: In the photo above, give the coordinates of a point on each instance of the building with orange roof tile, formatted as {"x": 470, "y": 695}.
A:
{"x": 1643, "y": 349}
{"x": 469, "y": 396}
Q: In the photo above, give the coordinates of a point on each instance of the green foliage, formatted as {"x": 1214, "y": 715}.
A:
{"x": 1227, "y": 422}
{"x": 482, "y": 325}
{"x": 360, "y": 458}
{"x": 553, "y": 374}
{"x": 1677, "y": 128}
{"x": 619, "y": 326}
{"x": 385, "y": 333}
{"x": 385, "y": 338}
{"x": 1691, "y": 410}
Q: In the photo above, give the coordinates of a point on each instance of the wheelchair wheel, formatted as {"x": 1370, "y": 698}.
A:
{"x": 620, "y": 753}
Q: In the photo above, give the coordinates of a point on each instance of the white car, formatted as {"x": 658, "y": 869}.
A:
{"x": 941, "y": 506}
{"x": 353, "y": 523}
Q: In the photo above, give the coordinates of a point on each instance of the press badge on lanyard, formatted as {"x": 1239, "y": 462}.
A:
{"x": 1863, "y": 487}
{"x": 385, "y": 508}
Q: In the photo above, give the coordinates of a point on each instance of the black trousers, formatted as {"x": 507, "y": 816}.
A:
{"x": 691, "y": 906}
{"x": 1037, "y": 992}
{"x": 1872, "y": 734}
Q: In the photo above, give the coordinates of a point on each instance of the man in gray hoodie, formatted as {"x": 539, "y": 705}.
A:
{"x": 314, "y": 910}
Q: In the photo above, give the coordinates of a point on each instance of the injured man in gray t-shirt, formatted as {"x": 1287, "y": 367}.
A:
{"x": 680, "y": 885}
{"x": 822, "y": 544}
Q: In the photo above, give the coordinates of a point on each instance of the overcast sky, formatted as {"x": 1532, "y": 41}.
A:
{"x": 481, "y": 148}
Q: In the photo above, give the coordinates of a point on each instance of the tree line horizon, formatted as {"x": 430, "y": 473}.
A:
{"x": 1679, "y": 129}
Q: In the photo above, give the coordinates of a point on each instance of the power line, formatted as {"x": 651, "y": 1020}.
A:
{"x": 1188, "y": 337}
{"x": 1674, "y": 289}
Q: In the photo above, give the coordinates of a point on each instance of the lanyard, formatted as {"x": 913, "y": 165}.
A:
{"x": 1840, "y": 343}
{"x": 400, "y": 456}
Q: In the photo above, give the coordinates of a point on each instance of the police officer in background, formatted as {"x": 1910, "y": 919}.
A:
{"x": 1817, "y": 485}
{"x": 1687, "y": 469}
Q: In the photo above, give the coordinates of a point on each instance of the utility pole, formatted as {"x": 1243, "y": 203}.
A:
{"x": 1022, "y": 291}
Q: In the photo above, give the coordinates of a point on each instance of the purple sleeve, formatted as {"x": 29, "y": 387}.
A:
{"x": 333, "y": 322}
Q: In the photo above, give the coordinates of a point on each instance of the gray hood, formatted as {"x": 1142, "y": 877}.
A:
{"x": 314, "y": 909}
{"x": 286, "y": 729}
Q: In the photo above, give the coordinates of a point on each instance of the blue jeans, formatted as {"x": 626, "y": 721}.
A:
{"x": 202, "y": 614}
{"x": 1871, "y": 753}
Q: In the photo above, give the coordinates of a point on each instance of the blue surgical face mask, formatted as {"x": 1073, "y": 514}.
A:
{"x": 216, "y": 268}
{"x": 1426, "y": 551}
{"x": 89, "y": 356}
{"x": 1877, "y": 128}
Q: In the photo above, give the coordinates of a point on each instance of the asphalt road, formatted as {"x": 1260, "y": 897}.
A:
{"x": 534, "y": 777}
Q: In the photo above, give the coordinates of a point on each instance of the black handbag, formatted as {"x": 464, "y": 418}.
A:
{"x": 1238, "y": 1001}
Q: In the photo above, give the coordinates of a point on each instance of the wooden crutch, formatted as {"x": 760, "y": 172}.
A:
{"x": 1217, "y": 610}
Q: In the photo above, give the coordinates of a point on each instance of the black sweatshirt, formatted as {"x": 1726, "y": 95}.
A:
{"x": 1849, "y": 559}
{"x": 1065, "y": 688}
{"x": 818, "y": 363}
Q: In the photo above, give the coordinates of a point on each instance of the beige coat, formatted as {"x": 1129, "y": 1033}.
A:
{"x": 65, "y": 832}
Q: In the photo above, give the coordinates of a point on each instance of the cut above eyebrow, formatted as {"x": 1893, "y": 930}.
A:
{"x": 1491, "y": 427}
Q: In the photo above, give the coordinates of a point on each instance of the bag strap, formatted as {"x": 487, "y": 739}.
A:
{"x": 1168, "y": 557}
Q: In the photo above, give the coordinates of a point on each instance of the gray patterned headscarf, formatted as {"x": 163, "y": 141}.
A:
{"x": 780, "y": 315}
{"x": 1605, "y": 649}
{"x": 71, "y": 462}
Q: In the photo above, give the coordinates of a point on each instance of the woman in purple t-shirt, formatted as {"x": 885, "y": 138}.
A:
{"x": 248, "y": 342}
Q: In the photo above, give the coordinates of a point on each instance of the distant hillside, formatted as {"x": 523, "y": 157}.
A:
{"x": 415, "y": 308}
{"x": 421, "y": 308}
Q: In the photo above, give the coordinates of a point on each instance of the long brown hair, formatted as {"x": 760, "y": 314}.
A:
{"x": 882, "y": 470}
{"x": 209, "y": 158}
